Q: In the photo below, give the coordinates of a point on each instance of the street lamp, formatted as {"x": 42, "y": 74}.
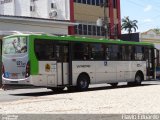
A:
{"x": 104, "y": 22}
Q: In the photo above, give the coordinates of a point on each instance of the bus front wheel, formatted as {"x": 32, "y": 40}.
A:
{"x": 138, "y": 79}
{"x": 82, "y": 82}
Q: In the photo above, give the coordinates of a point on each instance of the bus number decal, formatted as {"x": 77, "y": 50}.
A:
{"x": 20, "y": 64}
{"x": 83, "y": 66}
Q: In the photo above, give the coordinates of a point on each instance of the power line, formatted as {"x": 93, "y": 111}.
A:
{"x": 142, "y": 5}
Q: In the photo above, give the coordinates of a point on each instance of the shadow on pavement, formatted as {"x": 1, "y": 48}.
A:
{"x": 37, "y": 94}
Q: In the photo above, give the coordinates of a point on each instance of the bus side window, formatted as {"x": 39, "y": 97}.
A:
{"x": 86, "y": 52}
{"x": 107, "y": 53}
{"x": 44, "y": 50}
{"x": 78, "y": 51}
{"x": 97, "y": 51}
{"x": 139, "y": 53}
{"x": 132, "y": 53}
{"x": 114, "y": 52}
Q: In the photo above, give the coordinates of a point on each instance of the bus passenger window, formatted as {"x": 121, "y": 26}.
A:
{"x": 107, "y": 56}
{"x": 78, "y": 51}
{"x": 97, "y": 51}
{"x": 139, "y": 55}
{"x": 44, "y": 50}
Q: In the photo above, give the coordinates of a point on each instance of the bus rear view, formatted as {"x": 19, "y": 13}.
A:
{"x": 15, "y": 62}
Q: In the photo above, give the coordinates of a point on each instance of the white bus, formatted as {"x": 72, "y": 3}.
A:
{"x": 56, "y": 62}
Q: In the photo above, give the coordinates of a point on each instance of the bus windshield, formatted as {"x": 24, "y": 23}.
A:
{"x": 14, "y": 45}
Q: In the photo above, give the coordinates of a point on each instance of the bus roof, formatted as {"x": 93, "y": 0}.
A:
{"x": 80, "y": 39}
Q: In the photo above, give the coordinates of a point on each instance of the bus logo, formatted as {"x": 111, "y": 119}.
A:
{"x": 47, "y": 68}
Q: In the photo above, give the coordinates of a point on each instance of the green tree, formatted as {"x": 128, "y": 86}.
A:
{"x": 129, "y": 25}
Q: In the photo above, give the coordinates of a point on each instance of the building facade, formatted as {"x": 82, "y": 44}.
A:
{"x": 50, "y": 9}
{"x": 151, "y": 35}
{"x": 86, "y": 13}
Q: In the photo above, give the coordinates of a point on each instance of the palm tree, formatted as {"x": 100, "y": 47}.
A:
{"x": 128, "y": 25}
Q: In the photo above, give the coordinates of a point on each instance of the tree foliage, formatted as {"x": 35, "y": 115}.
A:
{"x": 129, "y": 25}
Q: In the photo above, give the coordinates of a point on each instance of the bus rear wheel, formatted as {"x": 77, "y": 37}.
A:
{"x": 82, "y": 82}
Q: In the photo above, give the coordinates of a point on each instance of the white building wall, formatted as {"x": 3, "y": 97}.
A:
{"x": 22, "y": 7}
{"x": 9, "y": 8}
{"x": 1, "y": 7}
{"x": 36, "y": 26}
{"x": 42, "y": 8}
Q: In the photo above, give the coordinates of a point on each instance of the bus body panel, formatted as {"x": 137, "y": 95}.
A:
{"x": 49, "y": 70}
{"x": 50, "y": 74}
{"x": 79, "y": 67}
{"x": 108, "y": 71}
{"x": 15, "y": 66}
{"x": 105, "y": 71}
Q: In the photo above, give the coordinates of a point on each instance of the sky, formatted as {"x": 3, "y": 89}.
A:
{"x": 147, "y": 13}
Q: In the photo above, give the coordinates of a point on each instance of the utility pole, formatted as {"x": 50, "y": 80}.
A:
{"x": 105, "y": 22}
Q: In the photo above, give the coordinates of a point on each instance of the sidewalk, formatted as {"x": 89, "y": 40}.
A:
{"x": 125, "y": 100}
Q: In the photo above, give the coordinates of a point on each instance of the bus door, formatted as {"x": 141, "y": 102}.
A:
{"x": 62, "y": 63}
{"x": 150, "y": 63}
{"x": 157, "y": 64}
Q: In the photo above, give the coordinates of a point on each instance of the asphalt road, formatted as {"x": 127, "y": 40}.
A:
{"x": 19, "y": 94}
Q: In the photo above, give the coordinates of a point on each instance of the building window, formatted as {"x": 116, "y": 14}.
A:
{"x": 115, "y": 3}
{"x": 91, "y": 2}
{"x": 80, "y": 29}
{"x": 85, "y": 30}
{"x": 98, "y": 31}
{"x": 76, "y": 29}
{"x": 88, "y": 29}
{"x": 78, "y": 1}
{"x": 84, "y": 1}
{"x": 94, "y": 30}
{"x": 53, "y": 5}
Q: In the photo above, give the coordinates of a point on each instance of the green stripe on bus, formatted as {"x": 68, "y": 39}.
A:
{"x": 32, "y": 57}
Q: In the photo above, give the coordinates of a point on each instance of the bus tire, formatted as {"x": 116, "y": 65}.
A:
{"x": 57, "y": 89}
{"x": 138, "y": 78}
{"x": 83, "y": 82}
{"x": 114, "y": 84}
